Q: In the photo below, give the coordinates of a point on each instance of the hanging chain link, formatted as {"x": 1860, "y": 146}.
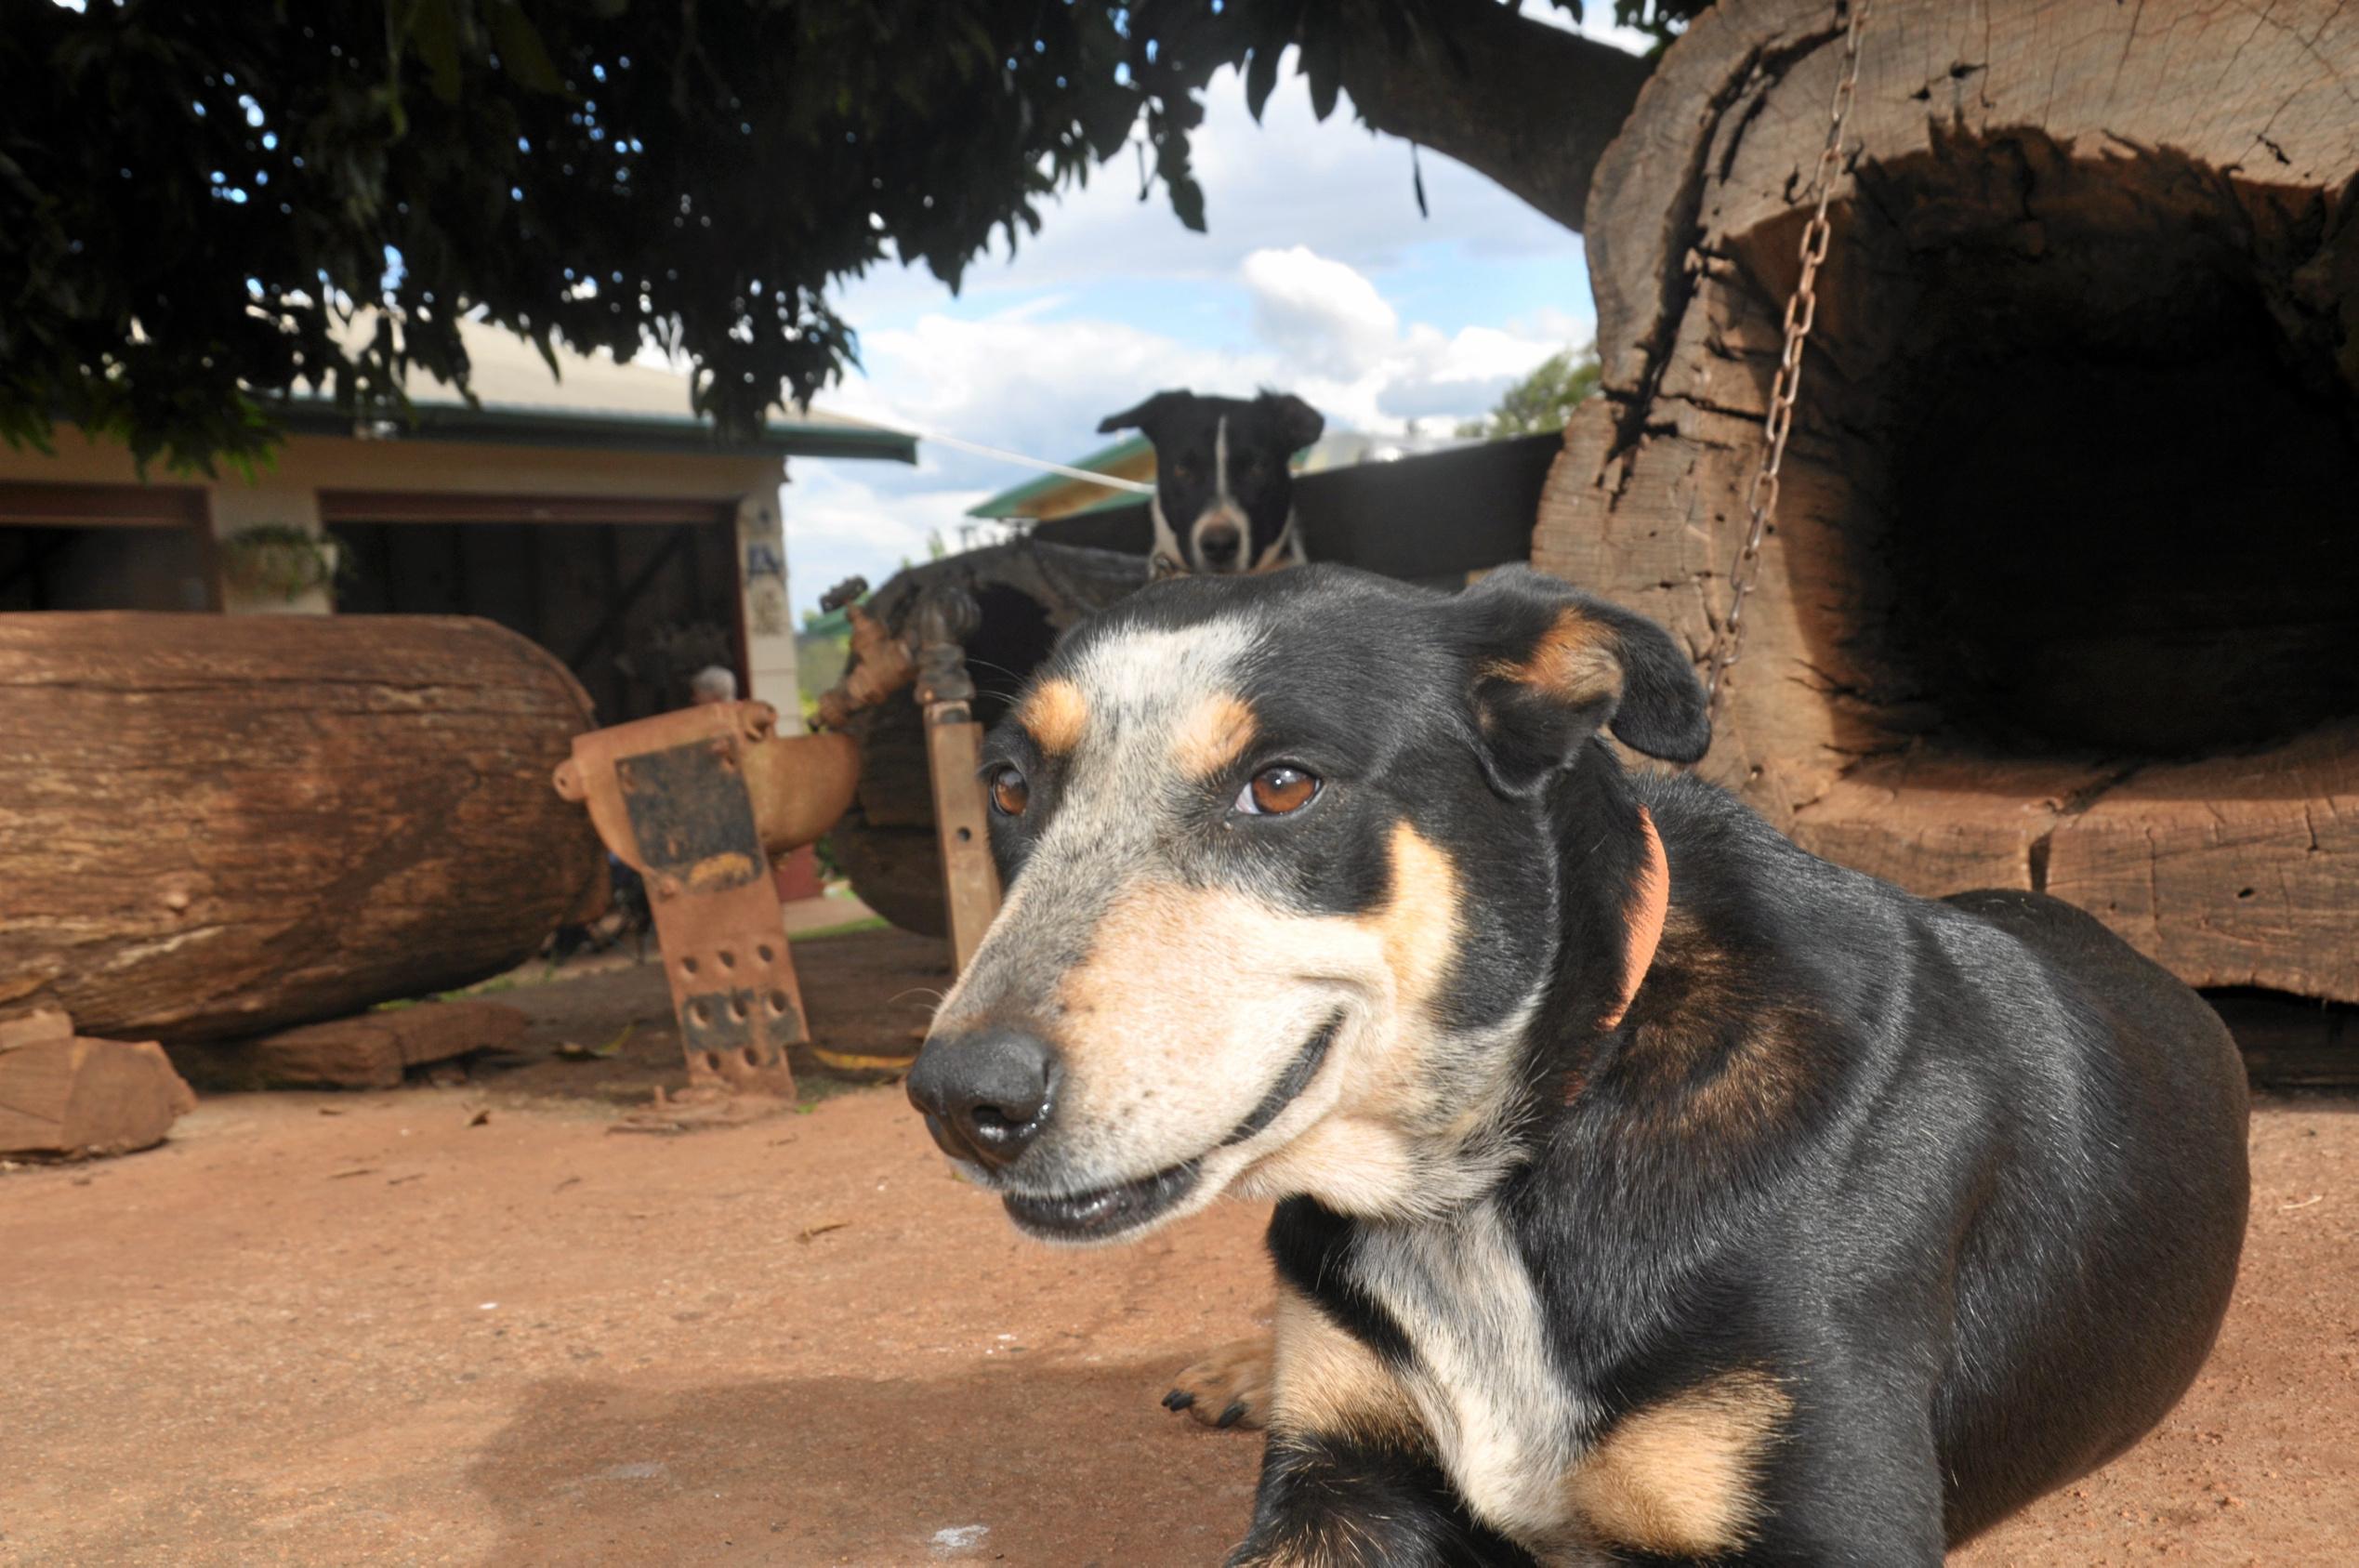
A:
{"x": 1801, "y": 313}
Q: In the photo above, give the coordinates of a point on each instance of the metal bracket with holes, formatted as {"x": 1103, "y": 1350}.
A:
{"x": 698, "y": 801}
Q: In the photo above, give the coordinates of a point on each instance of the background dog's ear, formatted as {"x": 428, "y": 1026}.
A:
{"x": 1298, "y": 421}
{"x": 1147, "y": 415}
{"x": 1551, "y": 666}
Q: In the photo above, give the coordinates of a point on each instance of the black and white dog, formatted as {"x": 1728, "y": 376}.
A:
{"x": 1224, "y": 494}
{"x": 1650, "y": 1191}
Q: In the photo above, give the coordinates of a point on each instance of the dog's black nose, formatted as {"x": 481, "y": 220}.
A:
{"x": 1219, "y": 546}
{"x": 985, "y": 1093}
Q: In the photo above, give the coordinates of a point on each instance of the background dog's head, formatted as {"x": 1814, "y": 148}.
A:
{"x": 1224, "y": 495}
{"x": 1281, "y": 889}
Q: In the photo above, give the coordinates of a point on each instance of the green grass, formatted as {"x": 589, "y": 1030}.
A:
{"x": 850, "y": 927}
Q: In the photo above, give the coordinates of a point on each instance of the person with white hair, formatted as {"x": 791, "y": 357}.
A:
{"x": 713, "y": 684}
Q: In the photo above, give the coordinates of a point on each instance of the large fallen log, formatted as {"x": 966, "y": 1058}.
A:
{"x": 212, "y": 825}
{"x": 2063, "y": 583}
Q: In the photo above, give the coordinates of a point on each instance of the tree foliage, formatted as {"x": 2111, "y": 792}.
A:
{"x": 1542, "y": 400}
{"x": 206, "y": 208}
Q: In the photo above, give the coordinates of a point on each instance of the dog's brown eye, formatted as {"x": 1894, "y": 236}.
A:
{"x": 1010, "y": 794}
{"x": 1276, "y": 790}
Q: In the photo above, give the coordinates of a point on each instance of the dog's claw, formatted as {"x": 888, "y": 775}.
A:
{"x": 1228, "y": 1388}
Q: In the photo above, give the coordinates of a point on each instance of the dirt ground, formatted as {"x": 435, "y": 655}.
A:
{"x": 387, "y": 1328}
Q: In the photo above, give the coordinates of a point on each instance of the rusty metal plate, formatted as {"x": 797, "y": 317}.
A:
{"x": 692, "y": 816}
{"x": 669, "y": 796}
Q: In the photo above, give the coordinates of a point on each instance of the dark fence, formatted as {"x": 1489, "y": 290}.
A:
{"x": 1438, "y": 515}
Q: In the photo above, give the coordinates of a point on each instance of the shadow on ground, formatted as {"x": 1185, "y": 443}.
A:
{"x": 1030, "y": 1463}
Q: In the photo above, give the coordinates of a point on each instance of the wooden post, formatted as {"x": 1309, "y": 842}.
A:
{"x": 954, "y": 750}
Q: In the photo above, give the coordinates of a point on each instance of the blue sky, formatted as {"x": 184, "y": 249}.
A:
{"x": 1317, "y": 276}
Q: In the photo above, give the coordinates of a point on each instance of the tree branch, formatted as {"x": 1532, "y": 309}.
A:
{"x": 1529, "y": 105}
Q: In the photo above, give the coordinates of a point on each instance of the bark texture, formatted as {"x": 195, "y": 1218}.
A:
{"x": 2061, "y": 588}
{"x": 1532, "y": 106}
{"x": 217, "y": 825}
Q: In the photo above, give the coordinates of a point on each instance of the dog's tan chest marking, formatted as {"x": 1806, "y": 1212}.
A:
{"x": 1505, "y": 1425}
{"x": 1680, "y": 1477}
{"x": 1212, "y": 734}
{"x": 1326, "y": 1382}
{"x": 1055, "y": 715}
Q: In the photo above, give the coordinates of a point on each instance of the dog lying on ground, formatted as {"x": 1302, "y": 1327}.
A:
{"x": 1224, "y": 494}
{"x": 1649, "y": 1190}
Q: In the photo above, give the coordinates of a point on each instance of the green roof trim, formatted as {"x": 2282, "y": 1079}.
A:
{"x": 629, "y": 433}
{"x": 1010, "y": 503}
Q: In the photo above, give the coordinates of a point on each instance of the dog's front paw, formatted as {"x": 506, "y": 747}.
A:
{"x": 1229, "y": 1388}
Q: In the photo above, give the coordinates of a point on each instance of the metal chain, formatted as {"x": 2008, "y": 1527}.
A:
{"x": 1802, "y": 314}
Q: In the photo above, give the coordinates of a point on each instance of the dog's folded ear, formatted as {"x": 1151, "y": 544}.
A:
{"x": 1146, "y": 415}
{"x": 1297, "y": 423}
{"x": 1550, "y": 666}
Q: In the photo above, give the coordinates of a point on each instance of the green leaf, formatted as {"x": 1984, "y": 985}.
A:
{"x": 523, "y": 58}
{"x": 434, "y": 36}
{"x": 1187, "y": 202}
{"x": 1261, "y": 79}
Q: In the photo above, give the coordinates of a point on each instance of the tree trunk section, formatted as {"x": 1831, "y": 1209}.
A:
{"x": 2064, "y": 578}
{"x": 1529, "y": 105}
{"x": 218, "y": 825}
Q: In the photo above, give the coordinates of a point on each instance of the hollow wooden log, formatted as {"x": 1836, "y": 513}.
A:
{"x": 211, "y": 826}
{"x": 1027, "y": 593}
{"x": 2063, "y": 582}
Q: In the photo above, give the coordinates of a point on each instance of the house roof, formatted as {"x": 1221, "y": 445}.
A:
{"x": 595, "y": 401}
{"x": 1024, "y": 499}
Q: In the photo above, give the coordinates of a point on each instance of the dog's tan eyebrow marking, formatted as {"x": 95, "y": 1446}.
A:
{"x": 1212, "y": 734}
{"x": 1573, "y": 661}
{"x": 1055, "y": 715}
{"x": 1679, "y": 1479}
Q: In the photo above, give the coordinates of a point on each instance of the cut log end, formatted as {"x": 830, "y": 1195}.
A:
{"x": 64, "y": 1097}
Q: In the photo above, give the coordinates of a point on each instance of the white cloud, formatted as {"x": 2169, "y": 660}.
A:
{"x": 839, "y": 525}
{"x": 1322, "y": 314}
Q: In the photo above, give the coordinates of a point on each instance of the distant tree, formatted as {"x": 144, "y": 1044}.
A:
{"x": 195, "y": 199}
{"x": 1542, "y": 400}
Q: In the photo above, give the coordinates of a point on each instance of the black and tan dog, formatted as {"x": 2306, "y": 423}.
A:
{"x": 1650, "y": 1190}
{"x": 1224, "y": 480}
